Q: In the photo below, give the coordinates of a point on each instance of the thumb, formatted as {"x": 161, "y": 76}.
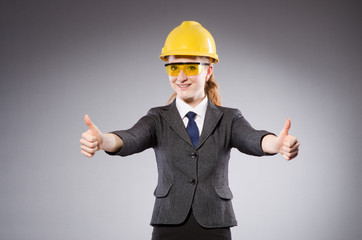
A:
{"x": 90, "y": 124}
{"x": 286, "y": 127}
{"x": 94, "y": 130}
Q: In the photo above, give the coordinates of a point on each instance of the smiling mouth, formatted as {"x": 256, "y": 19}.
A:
{"x": 183, "y": 86}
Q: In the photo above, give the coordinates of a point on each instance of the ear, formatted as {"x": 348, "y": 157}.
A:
{"x": 210, "y": 71}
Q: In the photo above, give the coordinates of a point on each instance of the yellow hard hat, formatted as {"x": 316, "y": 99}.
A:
{"x": 190, "y": 39}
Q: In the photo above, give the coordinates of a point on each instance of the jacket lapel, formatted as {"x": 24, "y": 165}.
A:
{"x": 172, "y": 116}
{"x": 212, "y": 117}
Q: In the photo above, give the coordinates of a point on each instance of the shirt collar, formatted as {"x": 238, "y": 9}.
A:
{"x": 183, "y": 108}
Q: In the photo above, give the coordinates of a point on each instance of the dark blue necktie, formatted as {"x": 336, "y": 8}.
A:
{"x": 192, "y": 129}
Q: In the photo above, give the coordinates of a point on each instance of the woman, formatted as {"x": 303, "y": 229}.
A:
{"x": 192, "y": 138}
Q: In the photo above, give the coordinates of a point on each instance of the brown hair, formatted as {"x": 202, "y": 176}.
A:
{"x": 211, "y": 91}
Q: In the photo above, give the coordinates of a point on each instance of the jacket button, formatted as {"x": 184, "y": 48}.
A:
{"x": 193, "y": 155}
{"x": 192, "y": 181}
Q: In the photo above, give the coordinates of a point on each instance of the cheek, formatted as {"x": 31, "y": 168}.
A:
{"x": 200, "y": 81}
{"x": 171, "y": 79}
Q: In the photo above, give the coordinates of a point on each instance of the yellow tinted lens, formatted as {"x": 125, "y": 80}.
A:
{"x": 173, "y": 69}
{"x": 192, "y": 69}
{"x": 189, "y": 69}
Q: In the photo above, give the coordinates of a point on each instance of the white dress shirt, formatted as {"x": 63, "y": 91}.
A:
{"x": 200, "y": 110}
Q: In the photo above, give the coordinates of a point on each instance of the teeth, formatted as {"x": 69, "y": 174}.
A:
{"x": 184, "y": 85}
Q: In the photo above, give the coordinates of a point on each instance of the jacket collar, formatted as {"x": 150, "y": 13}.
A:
{"x": 172, "y": 116}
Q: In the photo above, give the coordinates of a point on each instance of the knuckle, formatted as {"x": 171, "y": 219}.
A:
{"x": 88, "y": 150}
{"x": 85, "y": 153}
{"x": 286, "y": 144}
{"x": 83, "y": 148}
{"x": 83, "y": 141}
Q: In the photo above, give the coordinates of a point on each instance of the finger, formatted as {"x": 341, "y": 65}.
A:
{"x": 86, "y": 153}
{"x": 88, "y": 136}
{"x": 295, "y": 147}
{"x": 89, "y": 150}
{"x": 291, "y": 149}
{"x": 286, "y": 157}
{"x": 291, "y": 156}
{"x": 89, "y": 123}
{"x": 290, "y": 141}
{"x": 90, "y": 144}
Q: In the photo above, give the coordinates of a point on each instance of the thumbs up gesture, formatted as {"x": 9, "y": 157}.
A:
{"x": 285, "y": 144}
{"x": 91, "y": 140}
{"x": 288, "y": 145}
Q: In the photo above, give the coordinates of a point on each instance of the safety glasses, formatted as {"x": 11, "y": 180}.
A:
{"x": 189, "y": 68}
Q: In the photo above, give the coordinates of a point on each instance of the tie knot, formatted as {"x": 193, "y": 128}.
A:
{"x": 191, "y": 115}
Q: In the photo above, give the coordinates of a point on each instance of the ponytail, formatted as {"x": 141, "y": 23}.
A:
{"x": 173, "y": 96}
{"x": 211, "y": 91}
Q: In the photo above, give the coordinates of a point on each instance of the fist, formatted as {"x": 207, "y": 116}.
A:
{"x": 91, "y": 140}
{"x": 288, "y": 145}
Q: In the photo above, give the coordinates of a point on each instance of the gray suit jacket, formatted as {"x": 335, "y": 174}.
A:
{"x": 190, "y": 177}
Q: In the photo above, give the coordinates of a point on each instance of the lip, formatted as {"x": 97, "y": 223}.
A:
{"x": 183, "y": 86}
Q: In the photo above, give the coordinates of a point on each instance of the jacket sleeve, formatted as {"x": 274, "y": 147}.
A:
{"x": 245, "y": 138}
{"x": 138, "y": 138}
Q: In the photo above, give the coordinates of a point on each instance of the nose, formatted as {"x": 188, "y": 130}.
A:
{"x": 181, "y": 76}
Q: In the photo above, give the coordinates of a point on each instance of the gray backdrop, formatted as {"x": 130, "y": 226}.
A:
{"x": 278, "y": 59}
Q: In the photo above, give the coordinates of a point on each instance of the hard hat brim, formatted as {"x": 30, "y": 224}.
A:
{"x": 165, "y": 56}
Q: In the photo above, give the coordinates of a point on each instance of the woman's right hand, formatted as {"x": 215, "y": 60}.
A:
{"x": 92, "y": 139}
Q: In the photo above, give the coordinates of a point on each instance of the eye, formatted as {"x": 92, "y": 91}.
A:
{"x": 191, "y": 68}
{"x": 173, "y": 68}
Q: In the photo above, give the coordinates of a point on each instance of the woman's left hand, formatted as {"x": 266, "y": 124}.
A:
{"x": 288, "y": 145}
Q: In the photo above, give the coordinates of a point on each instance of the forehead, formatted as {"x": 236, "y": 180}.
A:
{"x": 176, "y": 59}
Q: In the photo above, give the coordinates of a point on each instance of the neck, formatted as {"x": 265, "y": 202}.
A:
{"x": 193, "y": 102}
